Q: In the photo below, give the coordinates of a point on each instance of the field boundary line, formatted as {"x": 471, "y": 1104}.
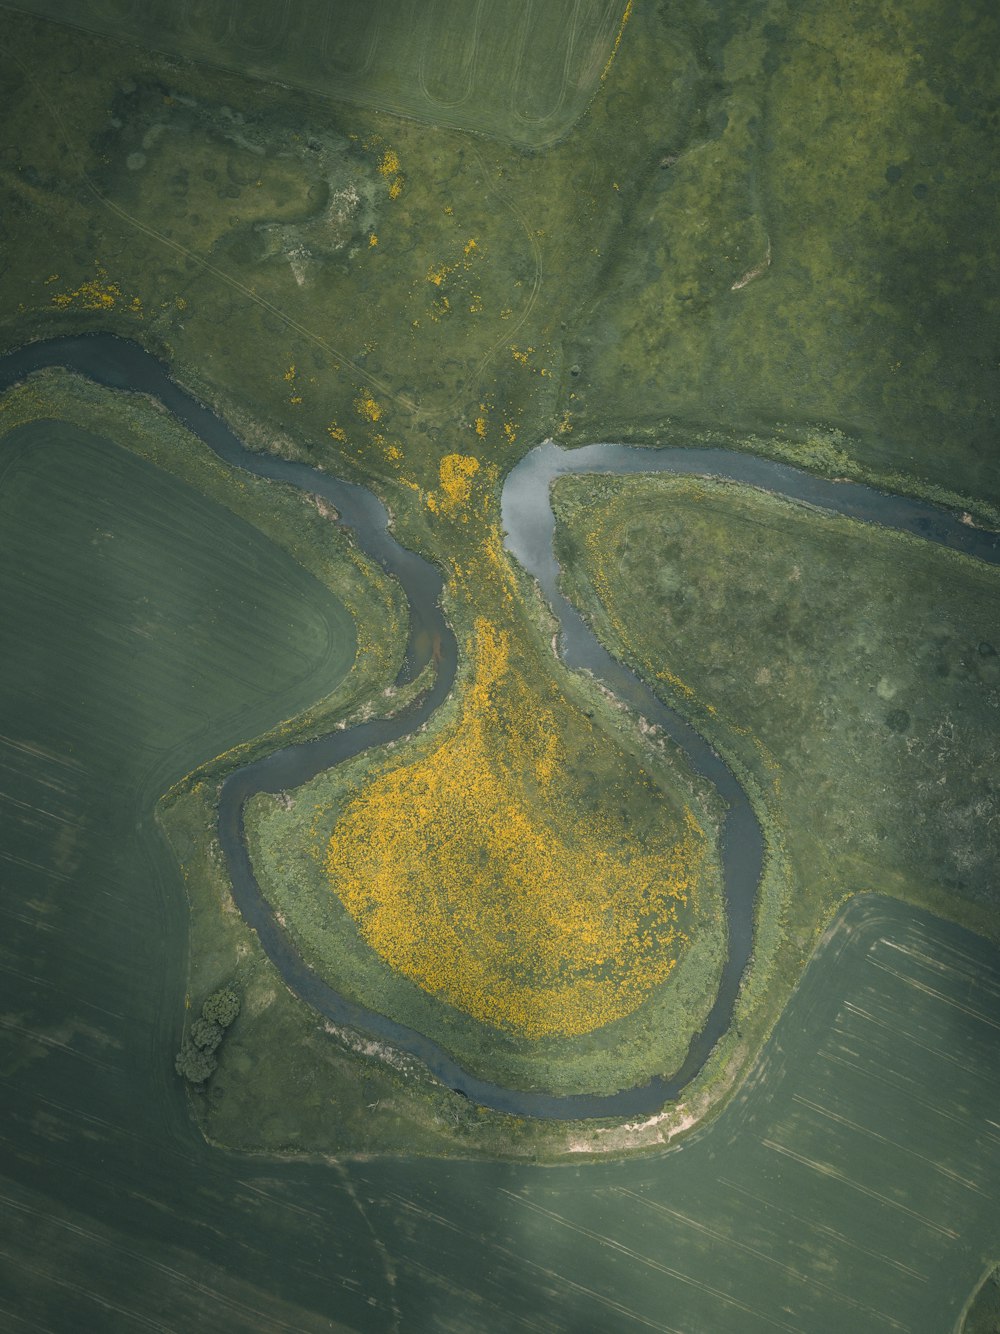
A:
{"x": 656, "y": 1265}
{"x": 913, "y": 1097}
{"x": 835, "y": 1174}
{"x": 186, "y": 1280}
{"x": 498, "y": 1248}
{"x": 52, "y": 1276}
{"x": 823, "y": 1228}
{"x": 924, "y": 1046}
{"x": 725, "y": 1240}
{"x": 475, "y": 1298}
{"x": 937, "y": 995}
{"x": 893, "y": 1144}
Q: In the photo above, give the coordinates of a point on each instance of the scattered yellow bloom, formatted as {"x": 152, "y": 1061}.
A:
{"x": 388, "y": 163}
{"x": 98, "y": 293}
{"x": 468, "y": 873}
{"x": 366, "y": 406}
{"x": 455, "y": 473}
{"x": 618, "y": 41}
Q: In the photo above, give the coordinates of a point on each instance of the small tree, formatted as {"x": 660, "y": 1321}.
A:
{"x": 196, "y": 1061}
{"x": 205, "y": 1034}
{"x": 222, "y": 1007}
{"x": 194, "y": 1064}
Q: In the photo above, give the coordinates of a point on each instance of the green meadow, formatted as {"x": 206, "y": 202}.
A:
{"x": 598, "y": 300}
{"x": 436, "y": 62}
{"x": 406, "y": 243}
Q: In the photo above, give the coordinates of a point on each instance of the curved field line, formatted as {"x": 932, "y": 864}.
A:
{"x": 340, "y": 358}
{"x": 375, "y": 29}
{"x": 275, "y": 35}
{"x": 521, "y": 48}
{"x": 199, "y": 37}
{"x": 449, "y": 103}
{"x": 535, "y": 122}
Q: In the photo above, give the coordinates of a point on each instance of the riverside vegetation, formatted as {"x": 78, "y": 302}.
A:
{"x": 851, "y": 670}
{"x": 768, "y": 228}
{"x": 417, "y": 306}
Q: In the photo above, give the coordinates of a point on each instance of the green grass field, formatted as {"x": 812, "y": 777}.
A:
{"x": 598, "y": 300}
{"x": 853, "y": 669}
{"x": 850, "y": 1185}
{"x": 513, "y": 71}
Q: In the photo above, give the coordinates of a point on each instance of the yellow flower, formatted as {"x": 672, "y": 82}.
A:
{"x": 469, "y": 874}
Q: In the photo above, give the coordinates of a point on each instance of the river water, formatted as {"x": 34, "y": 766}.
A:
{"x": 529, "y": 527}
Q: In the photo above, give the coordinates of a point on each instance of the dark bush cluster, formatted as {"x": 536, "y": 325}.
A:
{"x": 196, "y": 1060}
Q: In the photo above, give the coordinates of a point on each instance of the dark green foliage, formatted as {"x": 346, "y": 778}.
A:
{"x": 196, "y": 1061}
{"x": 205, "y": 1034}
{"x": 222, "y": 1007}
{"x": 194, "y": 1064}
{"x": 983, "y": 1316}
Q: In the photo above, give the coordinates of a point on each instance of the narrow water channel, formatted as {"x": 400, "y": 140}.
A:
{"x": 529, "y": 526}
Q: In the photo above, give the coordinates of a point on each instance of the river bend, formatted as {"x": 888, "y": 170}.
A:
{"x": 529, "y": 526}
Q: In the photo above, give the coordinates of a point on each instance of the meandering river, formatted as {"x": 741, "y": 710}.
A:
{"x": 529, "y": 526}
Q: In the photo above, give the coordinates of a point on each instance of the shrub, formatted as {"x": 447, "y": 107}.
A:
{"x": 222, "y": 1007}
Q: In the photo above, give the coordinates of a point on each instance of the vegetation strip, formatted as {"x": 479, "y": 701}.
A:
{"x": 530, "y": 523}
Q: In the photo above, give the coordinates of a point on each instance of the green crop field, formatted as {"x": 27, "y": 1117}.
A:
{"x": 517, "y": 71}
{"x": 851, "y": 1184}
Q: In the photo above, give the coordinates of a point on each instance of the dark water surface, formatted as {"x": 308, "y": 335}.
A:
{"x": 530, "y": 525}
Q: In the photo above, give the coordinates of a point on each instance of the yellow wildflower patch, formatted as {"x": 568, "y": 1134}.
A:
{"x": 455, "y": 473}
{"x": 471, "y": 873}
{"x": 618, "y": 41}
{"x": 98, "y": 293}
{"x": 388, "y": 163}
{"x": 367, "y": 406}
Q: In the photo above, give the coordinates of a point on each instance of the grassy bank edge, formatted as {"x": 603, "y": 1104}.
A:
{"x": 621, "y": 1058}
